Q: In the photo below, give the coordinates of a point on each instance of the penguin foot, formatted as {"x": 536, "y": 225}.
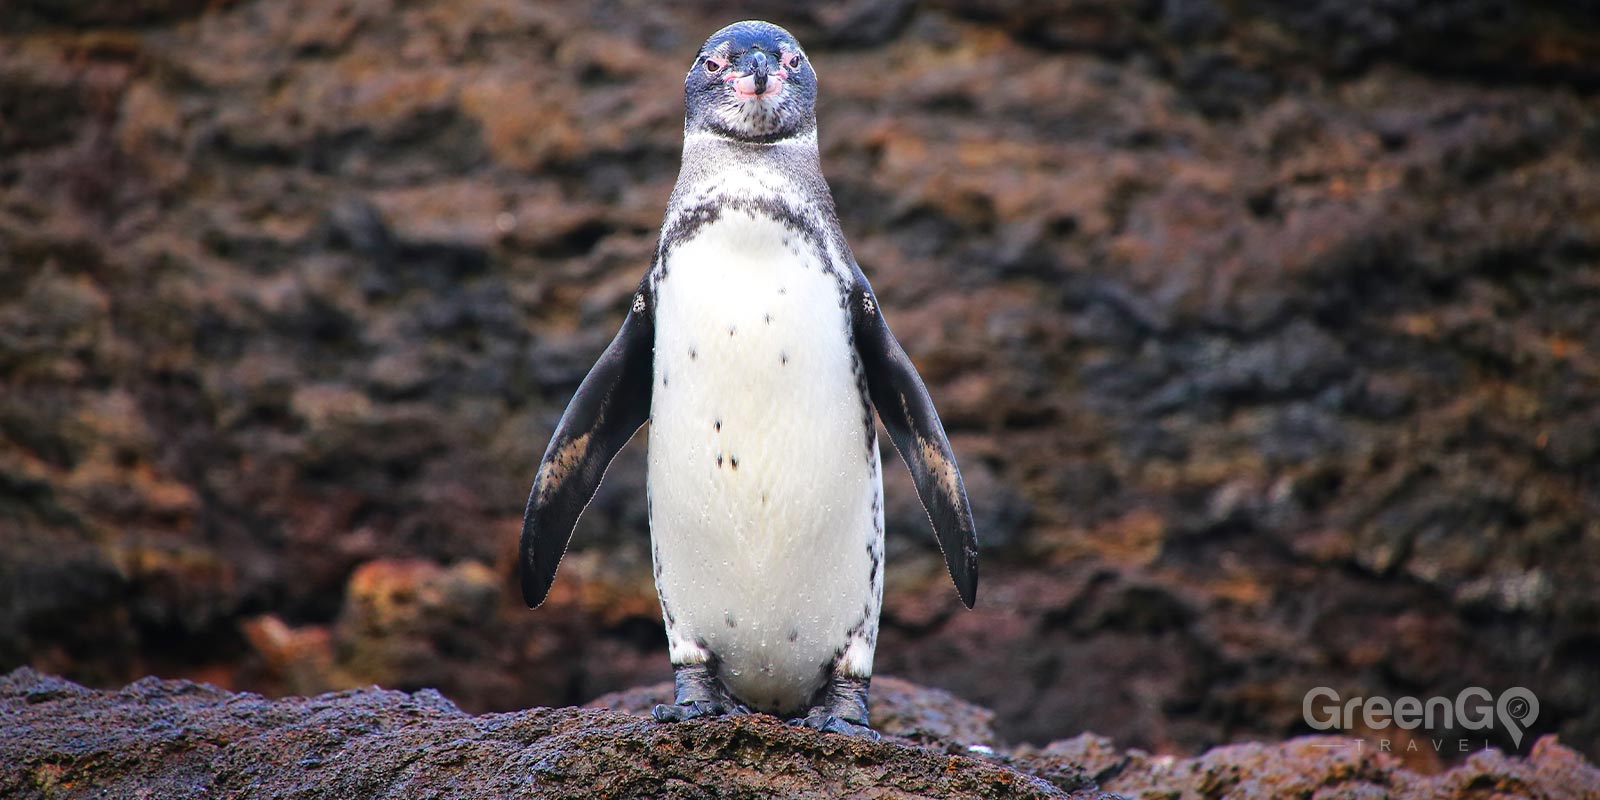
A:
{"x": 695, "y": 709}
{"x": 840, "y": 707}
{"x": 698, "y": 694}
{"x": 819, "y": 719}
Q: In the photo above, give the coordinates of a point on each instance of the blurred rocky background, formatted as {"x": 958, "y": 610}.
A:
{"x": 1268, "y": 336}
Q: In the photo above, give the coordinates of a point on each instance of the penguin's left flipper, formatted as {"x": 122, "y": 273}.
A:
{"x": 612, "y": 403}
{"x": 907, "y": 413}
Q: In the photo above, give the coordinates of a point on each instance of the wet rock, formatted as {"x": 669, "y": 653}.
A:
{"x": 180, "y": 739}
{"x": 897, "y": 708}
{"x": 101, "y": 12}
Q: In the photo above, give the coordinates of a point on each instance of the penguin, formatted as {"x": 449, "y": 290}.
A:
{"x": 757, "y": 352}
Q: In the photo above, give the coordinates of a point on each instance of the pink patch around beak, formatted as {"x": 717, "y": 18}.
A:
{"x": 745, "y": 86}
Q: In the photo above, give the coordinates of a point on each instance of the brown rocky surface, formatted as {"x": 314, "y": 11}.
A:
{"x": 897, "y": 708}
{"x": 177, "y": 739}
{"x": 1268, "y": 336}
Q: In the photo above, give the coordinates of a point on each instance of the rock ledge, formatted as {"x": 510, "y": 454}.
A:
{"x": 178, "y": 739}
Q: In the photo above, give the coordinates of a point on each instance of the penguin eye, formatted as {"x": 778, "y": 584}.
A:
{"x": 794, "y": 61}
{"x": 713, "y": 65}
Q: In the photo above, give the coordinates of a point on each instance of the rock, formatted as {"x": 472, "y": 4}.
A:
{"x": 101, "y": 12}
{"x": 897, "y": 708}
{"x": 1313, "y": 766}
{"x": 177, "y": 739}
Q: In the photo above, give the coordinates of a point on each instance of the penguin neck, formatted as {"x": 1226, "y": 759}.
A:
{"x": 714, "y": 164}
{"x": 708, "y": 147}
{"x": 780, "y": 180}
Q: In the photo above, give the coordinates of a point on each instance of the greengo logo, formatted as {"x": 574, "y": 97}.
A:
{"x": 1473, "y": 708}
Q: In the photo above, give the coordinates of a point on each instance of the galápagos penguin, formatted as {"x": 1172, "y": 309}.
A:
{"x": 756, "y": 350}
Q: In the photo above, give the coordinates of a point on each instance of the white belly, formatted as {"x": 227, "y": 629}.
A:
{"x": 764, "y": 485}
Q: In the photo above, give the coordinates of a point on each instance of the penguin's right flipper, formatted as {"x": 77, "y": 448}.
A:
{"x": 612, "y": 403}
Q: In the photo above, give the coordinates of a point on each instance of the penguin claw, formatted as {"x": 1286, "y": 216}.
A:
{"x": 832, "y": 723}
{"x": 694, "y": 709}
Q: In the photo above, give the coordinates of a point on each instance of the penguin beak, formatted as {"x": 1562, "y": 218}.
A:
{"x": 759, "y": 78}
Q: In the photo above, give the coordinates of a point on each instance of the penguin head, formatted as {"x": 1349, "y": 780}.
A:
{"x": 751, "y": 82}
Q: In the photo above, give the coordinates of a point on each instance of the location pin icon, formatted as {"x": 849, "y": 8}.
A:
{"x": 1518, "y": 708}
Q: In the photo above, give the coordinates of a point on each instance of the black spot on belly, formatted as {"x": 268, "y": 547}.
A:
{"x": 693, "y": 354}
{"x": 731, "y": 329}
{"x": 719, "y": 459}
{"x": 734, "y": 460}
{"x": 769, "y": 319}
{"x": 717, "y": 425}
{"x": 794, "y": 634}
{"x": 783, "y": 358}
{"x": 732, "y": 623}
{"x": 858, "y": 628}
